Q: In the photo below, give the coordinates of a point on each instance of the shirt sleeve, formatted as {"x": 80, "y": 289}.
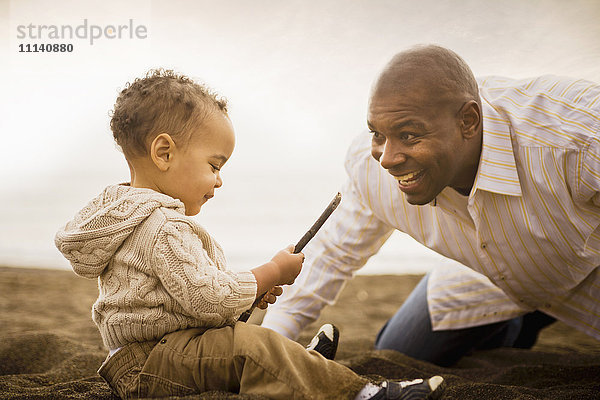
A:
{"x": 202, "y": 287}
{"x": 589, "y": 176}
{"x": 343, "y": 245}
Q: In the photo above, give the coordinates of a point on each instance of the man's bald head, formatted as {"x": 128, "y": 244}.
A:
{"x": 440, "y": 74}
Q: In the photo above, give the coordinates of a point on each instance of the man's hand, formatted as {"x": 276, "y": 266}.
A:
{"x": 270, "y": 297}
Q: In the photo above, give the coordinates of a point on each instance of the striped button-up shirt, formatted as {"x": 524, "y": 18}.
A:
{"x": 528, "y": 231}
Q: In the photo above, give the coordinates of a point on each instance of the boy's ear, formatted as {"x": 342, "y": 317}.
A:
{"x": 162, "y": 150}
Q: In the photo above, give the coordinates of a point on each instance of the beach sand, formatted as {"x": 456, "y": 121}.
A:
{"x": 50, "y": 348}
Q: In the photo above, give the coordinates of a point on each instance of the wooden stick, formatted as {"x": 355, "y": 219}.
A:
{"x": 317, "y": 225}
{"x": 300, "y": 245}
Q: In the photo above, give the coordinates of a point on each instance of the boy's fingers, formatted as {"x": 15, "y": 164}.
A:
{"x": 263, "y": 304}
{"x": 269, "y": 298}
{"x": 277, "y": 290}
{"x": 266, "y": 300}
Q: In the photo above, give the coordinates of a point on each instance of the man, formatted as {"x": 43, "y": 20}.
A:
{"x": 501, "y": 176}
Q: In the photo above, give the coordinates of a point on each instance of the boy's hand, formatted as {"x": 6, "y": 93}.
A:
{"x": 288, "y": 264}
{"x": 281, "y": 270}
{"x": 270, "y": 297}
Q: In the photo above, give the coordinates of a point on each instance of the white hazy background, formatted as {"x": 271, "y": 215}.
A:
{"x": 297, "y": 75}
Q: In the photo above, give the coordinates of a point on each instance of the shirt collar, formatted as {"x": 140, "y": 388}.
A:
{"x": 497, "y": 170}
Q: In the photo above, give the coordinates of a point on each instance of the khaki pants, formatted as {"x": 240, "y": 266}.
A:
{"x": 244, "y": 359}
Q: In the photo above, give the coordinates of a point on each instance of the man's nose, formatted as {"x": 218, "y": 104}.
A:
{"x": 388, "y": 154}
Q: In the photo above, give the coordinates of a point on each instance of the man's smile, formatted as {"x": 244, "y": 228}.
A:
{"x": 409, "y": 179}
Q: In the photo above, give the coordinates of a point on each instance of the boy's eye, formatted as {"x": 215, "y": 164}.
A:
{"x": 215, "y": 167}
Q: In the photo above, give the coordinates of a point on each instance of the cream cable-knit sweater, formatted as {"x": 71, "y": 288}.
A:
{"x": 158, "y": 270}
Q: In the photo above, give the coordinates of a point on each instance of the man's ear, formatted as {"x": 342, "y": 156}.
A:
{"x": 470, "y": 119}
{"x": 162, "y": 150}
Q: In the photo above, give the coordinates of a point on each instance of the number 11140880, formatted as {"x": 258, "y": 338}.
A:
{"x": 46, "y": 48}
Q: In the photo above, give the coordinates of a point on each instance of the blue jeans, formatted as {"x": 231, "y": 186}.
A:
{"x": 409, "y": 331}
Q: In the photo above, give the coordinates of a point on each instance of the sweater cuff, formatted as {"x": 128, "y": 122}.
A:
{"x": 248, "y": 288}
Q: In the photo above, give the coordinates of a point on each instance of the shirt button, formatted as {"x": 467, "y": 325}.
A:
{"x": 502, "y": 277}
{"x": 483, "y": 245}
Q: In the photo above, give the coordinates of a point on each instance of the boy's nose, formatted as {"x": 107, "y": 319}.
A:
{"x": 219, "y": 181}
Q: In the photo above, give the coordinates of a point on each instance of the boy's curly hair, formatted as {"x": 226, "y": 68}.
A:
{"x": 162, "y": 101}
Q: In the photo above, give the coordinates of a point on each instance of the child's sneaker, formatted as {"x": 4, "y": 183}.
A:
{"x": 417, "y": 389}
{"x": 325, "y": 341}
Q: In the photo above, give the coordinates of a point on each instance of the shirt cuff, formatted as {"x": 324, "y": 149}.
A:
{"x": 282, "y": 323}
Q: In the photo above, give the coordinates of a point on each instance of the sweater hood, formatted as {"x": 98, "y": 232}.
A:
{"x": 96, "y": 232}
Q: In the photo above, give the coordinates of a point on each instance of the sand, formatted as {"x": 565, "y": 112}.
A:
{"x": 50, "y": 348}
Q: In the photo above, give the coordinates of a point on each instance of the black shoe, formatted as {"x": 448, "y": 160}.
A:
{"x": 418, "y": 389}
{"x": 325, "y": 341}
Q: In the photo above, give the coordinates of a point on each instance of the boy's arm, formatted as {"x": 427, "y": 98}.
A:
{"x": 193, "y": 278}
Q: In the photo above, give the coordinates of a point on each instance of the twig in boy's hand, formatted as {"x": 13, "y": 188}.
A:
{"x": 299, "y": 246}
{"x": 317, "y": 225}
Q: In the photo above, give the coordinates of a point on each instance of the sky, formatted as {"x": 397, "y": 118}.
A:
{"x": 297, "y": 75}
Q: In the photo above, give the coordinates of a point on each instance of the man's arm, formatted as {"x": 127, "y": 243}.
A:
{"x": 342, "y": 246}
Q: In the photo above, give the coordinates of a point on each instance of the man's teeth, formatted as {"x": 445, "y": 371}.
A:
{"x": 407, "y": 177}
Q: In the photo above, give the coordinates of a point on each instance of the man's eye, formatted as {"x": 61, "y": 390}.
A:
{"x": 376, "y": 135}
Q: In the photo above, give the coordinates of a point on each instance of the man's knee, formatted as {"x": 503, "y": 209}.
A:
{"x": 411, "y": 323}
